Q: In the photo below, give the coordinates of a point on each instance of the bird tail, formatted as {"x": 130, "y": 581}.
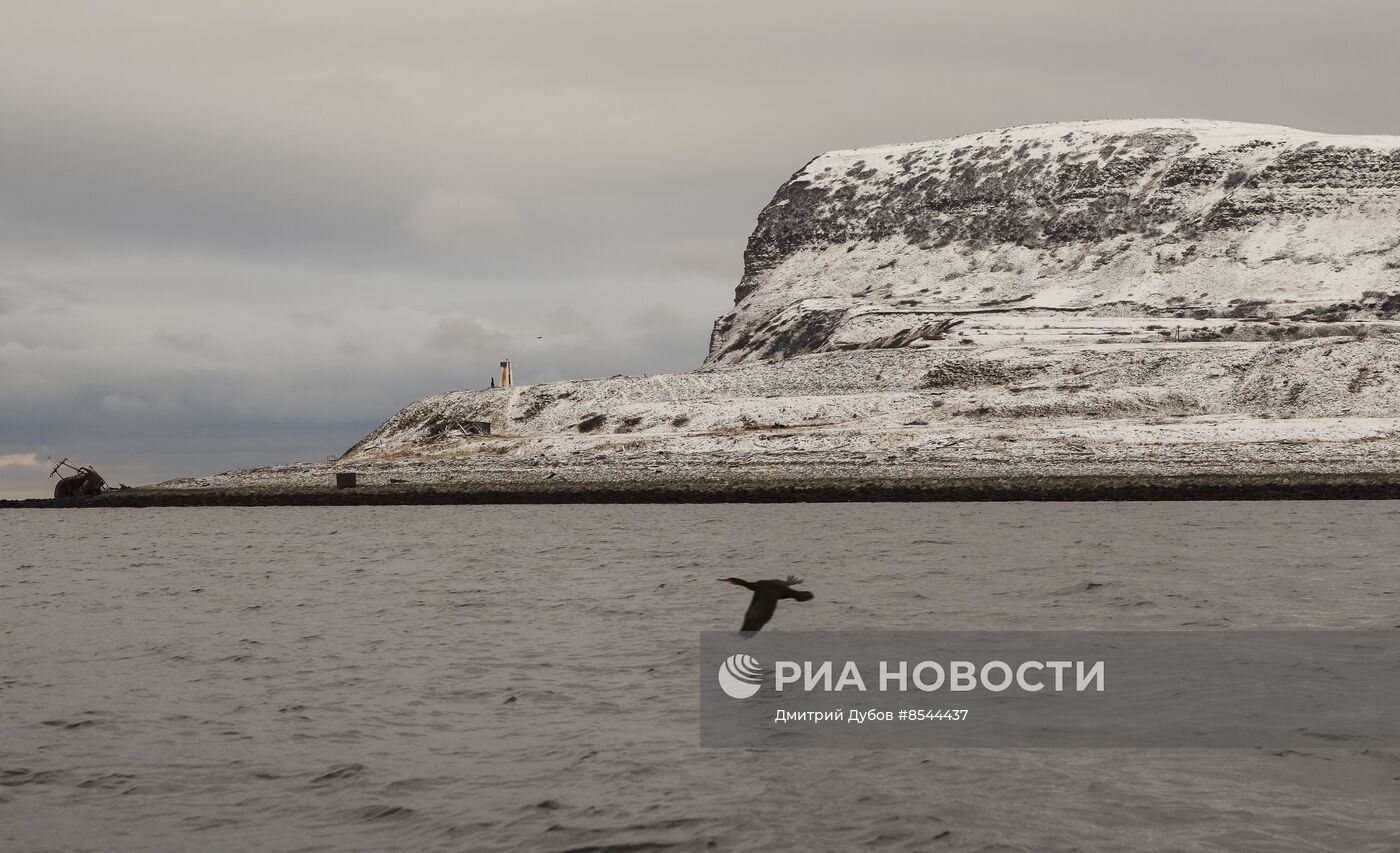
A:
{"x": 802, "y": 595}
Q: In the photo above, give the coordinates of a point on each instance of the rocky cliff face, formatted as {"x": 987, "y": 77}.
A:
{"x": 1158, "y": 219}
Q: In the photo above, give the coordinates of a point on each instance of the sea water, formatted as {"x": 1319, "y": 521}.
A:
{"x": 523, "y": 677}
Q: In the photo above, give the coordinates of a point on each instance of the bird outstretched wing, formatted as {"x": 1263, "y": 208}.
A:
{"x": 793, "y": 580}
{"x": 760, "y": 610}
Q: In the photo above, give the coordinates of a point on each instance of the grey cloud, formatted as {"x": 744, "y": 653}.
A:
{"x": 566, "y": 322}
{"x": 311, "y": 318}
{"x": 656, "y": 318}
{"x": 184, "y": 343}
{"x": 467, "y": 334}
{"x": 445, "y": 218}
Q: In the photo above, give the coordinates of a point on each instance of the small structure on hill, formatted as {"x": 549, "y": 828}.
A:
{"x": 82, "y": 482}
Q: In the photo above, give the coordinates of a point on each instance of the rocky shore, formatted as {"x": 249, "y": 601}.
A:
{"x": 1201, "y": 487}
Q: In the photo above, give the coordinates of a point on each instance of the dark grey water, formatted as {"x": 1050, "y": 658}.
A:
{"x": 479, "y": 678}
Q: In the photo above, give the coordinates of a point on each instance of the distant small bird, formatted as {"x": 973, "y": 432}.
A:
{"x": 765, "y": 600}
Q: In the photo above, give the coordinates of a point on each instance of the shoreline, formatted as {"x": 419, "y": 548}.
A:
{"x": 1186, "y": 487}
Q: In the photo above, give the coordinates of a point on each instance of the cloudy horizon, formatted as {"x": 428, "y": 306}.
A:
{"x": 235, "y": 237}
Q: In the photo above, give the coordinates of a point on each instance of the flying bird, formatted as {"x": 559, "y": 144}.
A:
{"x": 765, "y": 600}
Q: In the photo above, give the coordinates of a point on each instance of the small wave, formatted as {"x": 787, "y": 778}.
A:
{"x": 377, "y": 813}
{"x": 338, "y": 772}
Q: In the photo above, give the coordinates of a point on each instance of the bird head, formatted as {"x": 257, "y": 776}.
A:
{"x": 735, "y": 581}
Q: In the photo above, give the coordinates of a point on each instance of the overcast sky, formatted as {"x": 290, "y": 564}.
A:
{"x": 240, "y": 233}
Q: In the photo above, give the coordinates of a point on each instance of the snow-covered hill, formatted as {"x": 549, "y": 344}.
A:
{"x": 1174, "y": 219}
{"x": 1161, "y": 298}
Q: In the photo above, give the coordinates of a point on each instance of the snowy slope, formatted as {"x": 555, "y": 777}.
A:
{"x": 1154, "y": 218}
